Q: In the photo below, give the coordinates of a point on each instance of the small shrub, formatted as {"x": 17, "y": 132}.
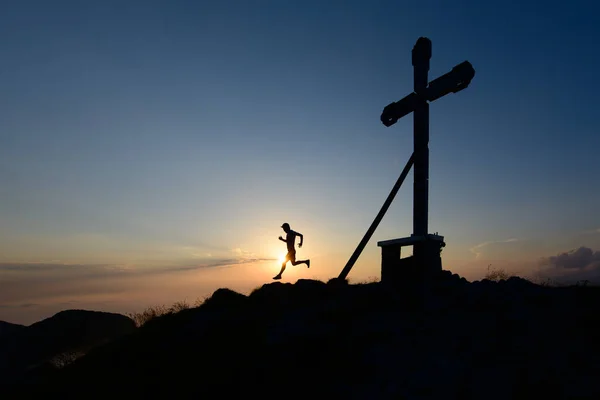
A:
{"x": 371, "y": 279}
{"x": 140, "y": 318}
{"x": 496, "y": 275}
{"x": 200, "y": 300}
{"x": 178, "y": 306}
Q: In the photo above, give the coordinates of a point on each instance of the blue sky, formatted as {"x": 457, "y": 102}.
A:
{"x": 155, "y": 136}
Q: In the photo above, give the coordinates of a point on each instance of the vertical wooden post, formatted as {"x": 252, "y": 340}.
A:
{"x": 421, "y": 54}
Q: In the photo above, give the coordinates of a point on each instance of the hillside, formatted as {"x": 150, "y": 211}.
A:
{"x": 26, "y": 349}
{"x": 7, "y": 329}
{"x": 449, "y": 339}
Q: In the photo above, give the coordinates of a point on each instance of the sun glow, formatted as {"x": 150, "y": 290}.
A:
{"x": 281, "y": 258}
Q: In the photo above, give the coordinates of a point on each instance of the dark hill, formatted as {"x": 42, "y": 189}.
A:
{"x": 7, "y": 329}
{"x": 72, "y": 331}
{"x": 448, "y": 339}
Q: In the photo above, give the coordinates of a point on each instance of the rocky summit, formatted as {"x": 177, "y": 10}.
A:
{"x": 444, "y": 339}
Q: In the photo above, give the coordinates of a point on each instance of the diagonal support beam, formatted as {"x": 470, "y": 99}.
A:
{"x": 377, "y": 219}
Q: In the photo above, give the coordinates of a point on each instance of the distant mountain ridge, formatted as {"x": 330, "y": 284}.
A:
{"x": 23, "y": 348}
{"x": 7, "y": 329}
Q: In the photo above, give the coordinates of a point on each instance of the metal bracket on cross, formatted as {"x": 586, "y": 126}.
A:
{"x": 426, "y": 246}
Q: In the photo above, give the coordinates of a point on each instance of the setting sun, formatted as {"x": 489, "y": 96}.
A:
{"x": 281, "y": 258}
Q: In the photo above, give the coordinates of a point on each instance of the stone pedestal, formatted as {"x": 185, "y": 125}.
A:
{"x": 425, "y": 261}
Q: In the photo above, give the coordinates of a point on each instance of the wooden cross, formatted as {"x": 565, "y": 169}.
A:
{"x": 417, "y": 102}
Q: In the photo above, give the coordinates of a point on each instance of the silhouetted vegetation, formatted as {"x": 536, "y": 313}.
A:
{"x": 496, "y": 275}
{"x": 140, "y": 318}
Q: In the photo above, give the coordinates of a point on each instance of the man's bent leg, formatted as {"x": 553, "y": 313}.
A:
{"x": 307, "y": 262}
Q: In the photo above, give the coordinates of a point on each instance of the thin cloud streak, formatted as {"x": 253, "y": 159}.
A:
{"x": 92, "y": 270}
{"x": 476, "y": 250}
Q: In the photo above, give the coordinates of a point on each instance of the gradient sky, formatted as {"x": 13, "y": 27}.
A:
{"x": 150, "y": 150}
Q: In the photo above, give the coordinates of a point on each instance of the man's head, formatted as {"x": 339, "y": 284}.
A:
{"x": 286, "y": 227}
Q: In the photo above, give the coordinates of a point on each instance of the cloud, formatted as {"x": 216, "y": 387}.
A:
{"x": 578, "y": 264}
{"x": 56, "y": 272}
{"x": 477, "y": 249}
{"x": 30, "y": 282}
{"x": 235, "y": 256}
{"x": 591, "y": 231}
{"x": 59, "y": 271}
{"x": 242, "y": 253}
{"x": 574, "y": 259}
{"x": 27, "y": 305}
{"x": 45, "y": 266}
{"x": 219, "y": 263}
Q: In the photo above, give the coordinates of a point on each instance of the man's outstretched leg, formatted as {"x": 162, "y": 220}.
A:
{"x": 307, "y": 262}
{"x": 278, "y": 276}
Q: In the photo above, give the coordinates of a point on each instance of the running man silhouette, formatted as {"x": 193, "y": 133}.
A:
{"x": 290, "y": 240}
